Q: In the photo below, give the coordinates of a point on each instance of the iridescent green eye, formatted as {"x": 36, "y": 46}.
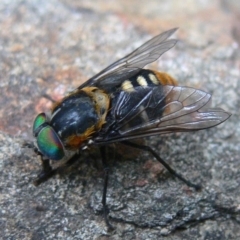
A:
{"x": 39, "y": 120}
{"x": 49, "y": 144}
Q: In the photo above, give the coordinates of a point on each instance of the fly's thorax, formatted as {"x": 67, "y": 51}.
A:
{"x": 102, "y": 103}
{"x": 80, "y": 115}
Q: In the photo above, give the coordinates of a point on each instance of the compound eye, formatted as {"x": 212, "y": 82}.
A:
{"x": 49, "y": 144}
{"x": 39, "y": 120}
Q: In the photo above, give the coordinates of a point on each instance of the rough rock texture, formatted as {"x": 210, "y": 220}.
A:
{"x": 53, "y": 46}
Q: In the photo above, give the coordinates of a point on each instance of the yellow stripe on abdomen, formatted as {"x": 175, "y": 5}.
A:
{"x": 154, "y": 79}
{"x": 147, "y": 78}
{"x": 127, "y": 86}
{"x": 142, "y": 81}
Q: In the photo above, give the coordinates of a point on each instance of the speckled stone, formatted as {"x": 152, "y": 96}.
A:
{"x": 53, "y": 47}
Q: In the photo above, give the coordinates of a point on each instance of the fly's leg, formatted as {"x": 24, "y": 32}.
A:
{"x": 48, "y": 172}
{"x": 173, "y": 172}
{"x": 106, "y": 171}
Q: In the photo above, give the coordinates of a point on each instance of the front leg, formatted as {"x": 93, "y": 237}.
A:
{"x": 46, "y": 172}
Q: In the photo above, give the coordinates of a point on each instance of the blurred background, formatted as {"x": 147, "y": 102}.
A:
{"x": 51, "y": 47}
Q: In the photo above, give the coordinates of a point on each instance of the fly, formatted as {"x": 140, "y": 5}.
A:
{"x": 121, "y": 103}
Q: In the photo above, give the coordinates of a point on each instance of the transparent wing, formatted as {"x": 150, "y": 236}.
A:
{"x": 133, "y": 62}
{"x": 158, "y": 110}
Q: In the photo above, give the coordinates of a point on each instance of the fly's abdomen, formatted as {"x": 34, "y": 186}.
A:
{"x": 147, "y": 78}
{"x": 143, "y": 103}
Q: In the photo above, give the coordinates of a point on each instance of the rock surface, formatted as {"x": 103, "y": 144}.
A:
{"x": 53, "y": 47}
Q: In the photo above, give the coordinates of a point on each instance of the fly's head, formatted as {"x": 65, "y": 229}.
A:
{"x": 48, "y": 142}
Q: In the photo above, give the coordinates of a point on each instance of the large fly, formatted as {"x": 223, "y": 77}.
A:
{"x": 121, "y": 103}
